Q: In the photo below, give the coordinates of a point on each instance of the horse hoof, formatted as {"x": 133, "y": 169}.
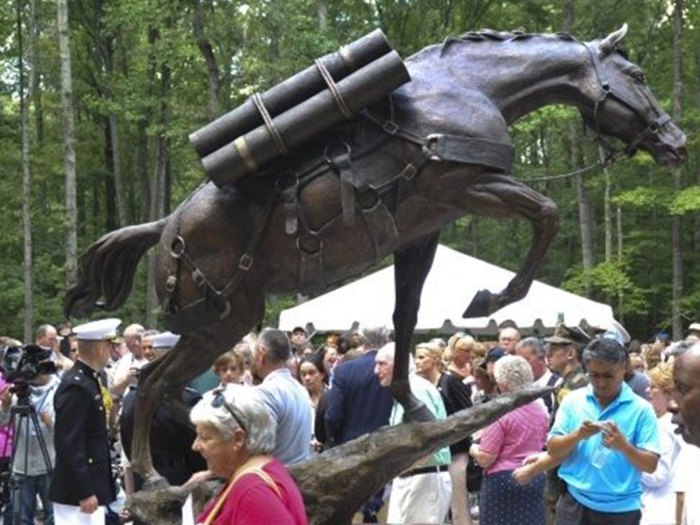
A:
{"x": 155, "y": 482}
{"x": 418, "y": 414}
{"x": 482, "y": 305}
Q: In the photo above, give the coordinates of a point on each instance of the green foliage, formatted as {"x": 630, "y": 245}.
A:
{"x": 687, "y": 200}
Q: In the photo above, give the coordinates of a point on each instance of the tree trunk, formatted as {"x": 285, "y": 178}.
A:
{"x": 322, "y": 14}
{"x": 585, "y": 212}
{"x": 68, "y": 133}
{"x": 676, "y": 223}
{"x": 159, "y": 187}
{"x": 696, "y": 229}
{"x": 119, "y": 185}
{"x": 621, "y": 295}
{"x": 207, "y": 51}
{"x": 26, "y": 182}
{"x": 607, "y": 212}
{"x": 35, "y": 75}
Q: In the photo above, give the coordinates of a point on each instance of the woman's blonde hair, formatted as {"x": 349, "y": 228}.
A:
{"x": 464, "y": 339}
{"x": 661, "y": 376}
{"x": 435, "y": 351}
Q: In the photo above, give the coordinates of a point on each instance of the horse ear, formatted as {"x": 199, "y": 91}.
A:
{"x": 607, "y": 45}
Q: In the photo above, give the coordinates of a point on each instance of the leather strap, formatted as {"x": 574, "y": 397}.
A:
{"x": 381, "y": 229}
{"x": 473, "y": 150}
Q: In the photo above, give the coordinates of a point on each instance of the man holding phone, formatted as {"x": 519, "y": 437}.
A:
{"x": 605, "y": 436}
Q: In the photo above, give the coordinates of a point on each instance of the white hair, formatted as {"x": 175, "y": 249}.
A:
{"x": 514, "y": 372}
{"x": 386, "y": 352}
{"x": 245, "y": 402}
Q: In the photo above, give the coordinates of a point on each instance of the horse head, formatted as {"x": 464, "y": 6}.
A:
{"x": 621, "y": 104}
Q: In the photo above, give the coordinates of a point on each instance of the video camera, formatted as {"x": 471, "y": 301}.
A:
{"x": 21, "y": 364}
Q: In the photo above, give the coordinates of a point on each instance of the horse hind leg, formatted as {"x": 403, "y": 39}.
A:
{"x": 411, "y": 267}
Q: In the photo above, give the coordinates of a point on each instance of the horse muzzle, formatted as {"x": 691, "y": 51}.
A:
{"x": 671, "y": 155}
{"x": 667, "y": 145}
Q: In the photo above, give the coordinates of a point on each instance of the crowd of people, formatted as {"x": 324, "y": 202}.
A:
{"x": 604, "y": 447}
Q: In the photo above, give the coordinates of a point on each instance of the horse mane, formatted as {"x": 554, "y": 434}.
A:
{"x": 490, "y": 35}
{"x": 502, "y": 36}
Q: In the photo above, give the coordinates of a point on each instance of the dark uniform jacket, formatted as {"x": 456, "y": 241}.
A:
{"x": 82, "y": 444}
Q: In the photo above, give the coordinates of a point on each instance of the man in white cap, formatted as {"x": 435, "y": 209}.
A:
{"x": 82, "y": 482}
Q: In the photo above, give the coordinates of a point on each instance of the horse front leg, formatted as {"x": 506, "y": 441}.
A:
{"x": 191, "y": 356}
{"x": 411, "y": 267}
{"x": 499, "y": 195}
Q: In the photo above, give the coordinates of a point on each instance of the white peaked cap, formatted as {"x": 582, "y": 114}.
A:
{"x": 615, "y": 325}
{"x": 97, "y": 330}
{"x": 164, "y": 340}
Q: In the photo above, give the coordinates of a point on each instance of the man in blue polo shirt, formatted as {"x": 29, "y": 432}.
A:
{"x": 607, "y": 436}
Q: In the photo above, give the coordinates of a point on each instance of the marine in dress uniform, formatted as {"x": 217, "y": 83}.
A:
{"x": 82, "y": 482}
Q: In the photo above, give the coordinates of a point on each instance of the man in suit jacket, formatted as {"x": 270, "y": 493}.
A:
{"x": 358, "y": 404}
{"x": 82, "y": 482}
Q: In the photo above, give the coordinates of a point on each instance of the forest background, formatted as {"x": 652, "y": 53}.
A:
{"x": 97, "y": 98}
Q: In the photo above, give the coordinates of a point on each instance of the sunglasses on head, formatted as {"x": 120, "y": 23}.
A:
{"x": 220, "y": 401}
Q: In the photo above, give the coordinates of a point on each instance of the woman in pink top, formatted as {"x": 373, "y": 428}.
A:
{"x": 503, "y": 447}
{"x": 235, "y": 435}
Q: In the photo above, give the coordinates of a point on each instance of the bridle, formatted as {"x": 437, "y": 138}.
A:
{"x": 655, "y": 121}
{"x": 654, "y": 118}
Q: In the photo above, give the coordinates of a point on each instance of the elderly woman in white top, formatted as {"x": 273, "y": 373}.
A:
{"x": 659, "y": 505}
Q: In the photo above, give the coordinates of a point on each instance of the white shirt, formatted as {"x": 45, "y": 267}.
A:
{"x": 121, "y": 371}
{"x": 659, "y": 496}
{"x": 688, "y": 466}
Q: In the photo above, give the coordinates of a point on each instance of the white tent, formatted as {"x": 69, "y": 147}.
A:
{"x": 452, "y": 283}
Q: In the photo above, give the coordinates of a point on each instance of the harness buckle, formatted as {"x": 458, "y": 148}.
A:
{"x": 245, "y": 262}
{"x": 409, "y": 171}
{"x": 198, "y": 278}
{"x": 170, "y": 284}
{"x": 390, "y": 127}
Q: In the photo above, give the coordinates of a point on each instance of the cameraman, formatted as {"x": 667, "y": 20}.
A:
{"x": 36, "y": 386}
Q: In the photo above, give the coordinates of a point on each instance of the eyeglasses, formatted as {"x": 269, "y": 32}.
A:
{"x": 220, "y": 401}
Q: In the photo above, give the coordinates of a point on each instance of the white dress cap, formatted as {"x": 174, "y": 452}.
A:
{"x": 97, "y": 330}
{"x": 165, "y": 340}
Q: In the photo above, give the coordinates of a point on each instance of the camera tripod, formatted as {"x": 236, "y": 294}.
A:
{"x": 24, "y": 423}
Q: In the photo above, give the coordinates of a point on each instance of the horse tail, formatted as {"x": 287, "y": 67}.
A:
{"x": 108, "y": 266}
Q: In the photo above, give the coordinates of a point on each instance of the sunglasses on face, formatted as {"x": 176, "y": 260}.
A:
{"x": 220, "y": 401}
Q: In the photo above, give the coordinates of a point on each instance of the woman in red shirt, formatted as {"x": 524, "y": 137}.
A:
{"x": 235, "y": 435}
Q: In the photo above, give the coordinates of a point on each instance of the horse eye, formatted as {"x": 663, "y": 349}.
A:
{"x": 638, "y": 76}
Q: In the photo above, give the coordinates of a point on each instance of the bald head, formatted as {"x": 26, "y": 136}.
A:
{"x": 686, "y": 393}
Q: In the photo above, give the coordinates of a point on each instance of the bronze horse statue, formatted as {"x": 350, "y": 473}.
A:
{"x": 440, "y": 151}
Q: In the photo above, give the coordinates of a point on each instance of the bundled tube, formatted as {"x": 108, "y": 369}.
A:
{"x": 289, "y": 93}
{"x": 279, "y": 134}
